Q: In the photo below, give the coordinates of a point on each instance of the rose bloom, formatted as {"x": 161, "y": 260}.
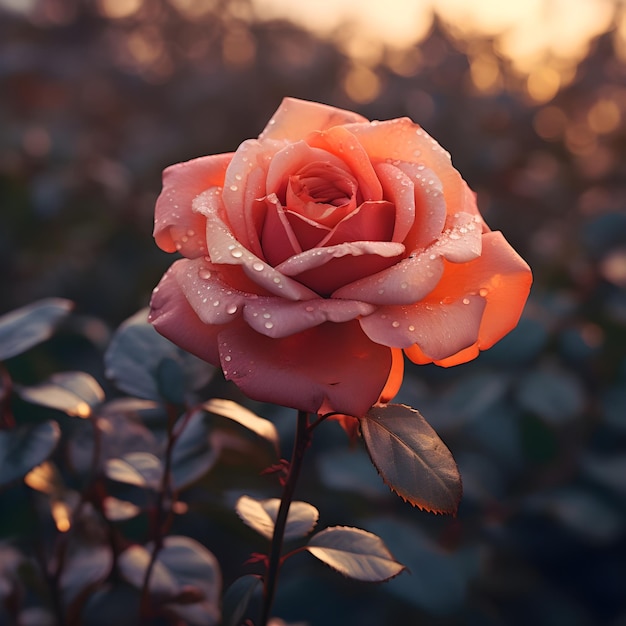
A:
{"x": 319, "y": 252}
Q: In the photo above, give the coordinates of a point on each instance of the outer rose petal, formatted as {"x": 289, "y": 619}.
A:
{"x": 295, "y": 119}
{"x": 176, "y": 227}
{"x": 503, "y": 277}
{"x": 440, "y": 330}
{"x": 333, "y": 367}
{"x": 499, "y": 275}
{"x": 173, "y": 317}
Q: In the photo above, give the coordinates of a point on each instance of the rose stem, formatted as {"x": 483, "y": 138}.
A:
{"x": 301, "y": 442}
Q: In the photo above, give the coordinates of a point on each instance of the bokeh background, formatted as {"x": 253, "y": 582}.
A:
{"x": 97, "y": 97}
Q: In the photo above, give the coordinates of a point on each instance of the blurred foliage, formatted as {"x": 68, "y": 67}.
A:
{"x": 94, "y": 105}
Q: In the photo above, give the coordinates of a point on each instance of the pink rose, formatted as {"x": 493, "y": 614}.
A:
{"x": 316, "y": 253}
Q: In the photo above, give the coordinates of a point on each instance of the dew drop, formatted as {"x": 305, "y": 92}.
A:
{"x": 228, "y": 358}
{"x": 237, "y": 254}
{"x": 395, "y": 324}
{"x": 178, "y": 245}
{"x": 216, "y": 302}
{"x": 403, "y": 285}
{"x": 258, "y": 266}
{"x": 269, "y": 325}
{"x": 483, "y": 292}
{"x": 191, "y": 232}
{"x": 234, "y": 187}
{"x": 466, "y": 301}
{"x": 411, "y": 327}
{"x": 232, "y": 308}
{"x": 276, "y": 279}
{"x": 309, "y": 309}
{"x": 204, "y": 273}
{"x": 267, "y": 315}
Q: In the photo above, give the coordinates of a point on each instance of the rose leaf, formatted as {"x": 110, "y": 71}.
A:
{"x": 411, "y": 458}
{"x": 355, "y": 553}
{"x": 260, "y": 515}
{"x": 24, "y": 328}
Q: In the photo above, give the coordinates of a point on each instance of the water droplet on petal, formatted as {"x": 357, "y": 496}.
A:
{"x": 237, "y": 254}
{"x": 234, "y": 187}
{"x": 411, "y": 327}
{"x": 276, "y": 279}
{"x": 483, "y": 292}
{"x": 258, "y": 266}
{"x": 204, "y": 273}
{"x": 395, "y": 324}
{"x": 216, "y": 302}
{"x": 267, "y": 315}
{"x": 269, "y": 325}
{"x": 228, "y": 358}
{"x": 309, "y": 309}
{"x": 232, "y": 308}
{"x": 403, "y": 285}
{"x": 466, "y": 301}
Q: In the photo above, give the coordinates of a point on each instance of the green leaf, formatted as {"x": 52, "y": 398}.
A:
{"x": 74, "y": 393}
{"x": 194, "y": 568}
{"x": 238, "y": 597}
{"x": 355, "y": 553}
{"x": 117, "y": 510}
{"x": 411, "y": 458}
{"x": 260, "y": 515}
{"x": 24, "y": 328}
{"x": 235, "y": 412}
{"x": 84, "y": 568}
{"x": 141, "y": 469}
{"x": 132, "y": 565}
{"x": 135, "y": 361}
{"x": 25, "y": 447}
{"x": 186, "y": 578}
{"x": 221, "y": 425}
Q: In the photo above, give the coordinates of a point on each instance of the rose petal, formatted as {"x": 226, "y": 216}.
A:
{"x": 290, "y": 159}
{"x": 440, "y": 330}
{"x": 327, "y": 269}
{"x": 172, "y": 316}
{"x": 398, "y": 188}
{"x": 295, "y": 119}
{"x": 430, "y": 206}
{"x": 308, "y": 233}
{"x": 176, "y": 227}
{"x": 372, "y": 221}
{"x": 333, "y": 367}
{"x": 341, "y": 142}
{"x": 462, "y": 240}
{"x": 413, "y": 278}
{"x": 278, "y": 240}
{"x": 213, "y": 300}
{"x": 276, "y": 317}
{"x": 244, "y": 189}
{"x": 463, "y": 356}
{"x": 408, "y": 281}
{"x": 499, "y": 275}
{"x": 406, "y": 141}
{"x": 394, "y": 382}
{"x": 224, "y": 248}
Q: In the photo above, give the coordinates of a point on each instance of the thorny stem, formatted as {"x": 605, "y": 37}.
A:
{"x": 301, "y": 443}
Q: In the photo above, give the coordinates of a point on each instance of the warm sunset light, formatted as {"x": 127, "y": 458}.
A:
{"x": 555, "y": 33}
